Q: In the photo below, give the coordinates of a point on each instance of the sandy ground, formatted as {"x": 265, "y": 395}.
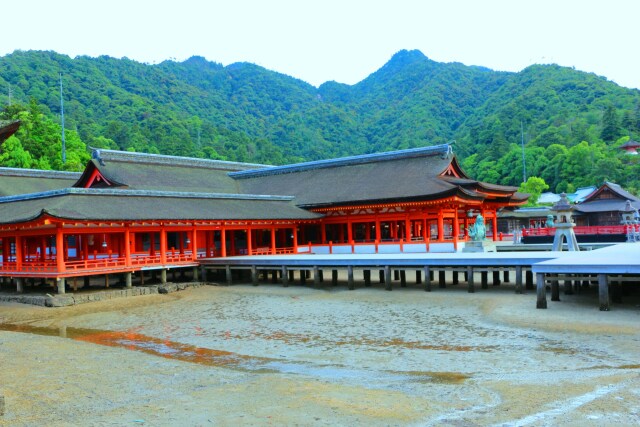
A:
{"x": 269, "y": 355}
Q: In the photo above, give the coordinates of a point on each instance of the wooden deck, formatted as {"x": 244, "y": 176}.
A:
{"x": 424, "y": 263}
{"x": 621, "y": 262}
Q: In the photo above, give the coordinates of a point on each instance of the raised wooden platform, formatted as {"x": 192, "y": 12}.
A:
{"x": 621, "y": 260}
{"x": 549, "y": 267}
{"x": 426, "y": 263}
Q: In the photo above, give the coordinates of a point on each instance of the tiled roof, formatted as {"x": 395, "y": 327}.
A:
{"x": 114, "y": 205}
{"x": 156, "y": 172}
{"x": 396, "y": 176}
{"x": 21, "y": 181}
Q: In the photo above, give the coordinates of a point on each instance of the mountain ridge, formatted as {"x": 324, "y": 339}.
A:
{"x": 245, "y": 112}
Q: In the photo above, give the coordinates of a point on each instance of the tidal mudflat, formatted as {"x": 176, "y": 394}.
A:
{"x": 269, "y": 355}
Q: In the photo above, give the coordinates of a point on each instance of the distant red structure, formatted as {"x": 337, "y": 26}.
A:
{"x": 631, "y": 146}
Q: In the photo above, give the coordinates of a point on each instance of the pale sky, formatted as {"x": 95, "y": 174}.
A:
{"x": 341, "y": 40}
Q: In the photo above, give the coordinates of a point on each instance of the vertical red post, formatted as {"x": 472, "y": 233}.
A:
{"x": 249, "y": 241}
{"x": 127, "y": 246}
{"x": 494, "y": 224}
{"x": 273, "y": 239}
{"x": 163, "y": 245}
{"x": 407, "y": 230}
{"x": 223, "y": 243}
{"x": 18, "y": 252}
{"x": 456, "y": 228}
{"x": 60, "y": 249}
{"x": 440, "y": 225}
{"x": 194, "y": 244}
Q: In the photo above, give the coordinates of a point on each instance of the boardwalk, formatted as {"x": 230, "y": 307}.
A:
{"x": 425, "y": 264}
{"x": 621, "y": 261}
{"x": 549, "y": 268}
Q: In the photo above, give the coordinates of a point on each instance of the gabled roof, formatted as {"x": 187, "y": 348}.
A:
{"x": 615, "y": 190}
{"x": 609, "y": 197}
{"x": 157, "y": 172}
{"x": 136, "y": 205}
{"x": 22, "y": 181}
{"x": 408, "y": 175}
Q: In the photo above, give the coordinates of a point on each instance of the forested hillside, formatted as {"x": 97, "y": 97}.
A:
{"x": 571, "y": 121}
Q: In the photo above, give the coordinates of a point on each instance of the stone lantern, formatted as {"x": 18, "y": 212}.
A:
{"x": 629, "y": 214}
{"x": 564, "y": 225}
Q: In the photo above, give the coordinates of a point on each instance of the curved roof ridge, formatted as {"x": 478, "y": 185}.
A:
{"x": 162, "y": 159}
{"x": 444, "y": 149}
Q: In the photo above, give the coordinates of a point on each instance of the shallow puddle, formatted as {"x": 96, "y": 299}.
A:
{"x": 168, "y": 349}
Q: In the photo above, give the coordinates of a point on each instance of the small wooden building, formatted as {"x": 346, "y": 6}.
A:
{"x": 606, "y": 205}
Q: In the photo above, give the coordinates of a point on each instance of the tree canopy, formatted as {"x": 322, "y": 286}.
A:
{"x": 567, "y": 123}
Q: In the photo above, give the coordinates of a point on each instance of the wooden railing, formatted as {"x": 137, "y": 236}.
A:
{"x": 98, "y": 262}
{"x": 95, "y": 264}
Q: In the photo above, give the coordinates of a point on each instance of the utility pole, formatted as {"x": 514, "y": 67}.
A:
{"x": 64, "y": 144}
{"x": 524, "y": 163}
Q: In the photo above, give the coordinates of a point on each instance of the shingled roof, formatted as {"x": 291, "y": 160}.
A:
{"x": 418, "y": 174}
{"x": 136, "y": 205}
{"x": 22, "y": 181}
{"x": 615, "y": 200}
{"x": 142, "y": 171}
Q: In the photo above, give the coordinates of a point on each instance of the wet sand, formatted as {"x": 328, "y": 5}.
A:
{"x": 270, "y": 355}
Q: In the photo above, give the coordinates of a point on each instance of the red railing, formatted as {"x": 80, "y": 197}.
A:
{"x": 97, "y": 262}
{"x": 592, "y": 230}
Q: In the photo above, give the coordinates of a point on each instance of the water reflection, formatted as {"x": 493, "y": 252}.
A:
{"x": 132, "y": 340}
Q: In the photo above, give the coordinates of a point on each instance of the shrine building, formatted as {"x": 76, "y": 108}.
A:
{"x": 132, "y": 212}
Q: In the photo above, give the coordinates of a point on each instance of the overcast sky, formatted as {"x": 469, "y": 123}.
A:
{"x": 341, "y": 40}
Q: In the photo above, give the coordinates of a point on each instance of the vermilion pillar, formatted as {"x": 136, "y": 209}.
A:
{"x": 273, "y": 239}
{"x": 194, "y": 244}
{"x": 440, "y": 226}
{"x": 60, "y": 250}
{"x": 223, "y": 243}
{"x": 127, "y": 246}
{"x": 494, "y": 223}
{"x": 456, "y": 228}
{"x": 163, "y": 245}
{"x": 19, "y": 253}
{"x": 407, "y": 230}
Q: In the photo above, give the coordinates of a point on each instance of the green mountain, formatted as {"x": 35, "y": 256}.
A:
{"x": 571, "y": 121}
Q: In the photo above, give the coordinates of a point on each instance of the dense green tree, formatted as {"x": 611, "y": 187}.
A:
{"x": 14, "y": 155}
{"x": 610, "y": 124}
{"x": 244, "y": 112}
{"x": 534, "y": 187}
